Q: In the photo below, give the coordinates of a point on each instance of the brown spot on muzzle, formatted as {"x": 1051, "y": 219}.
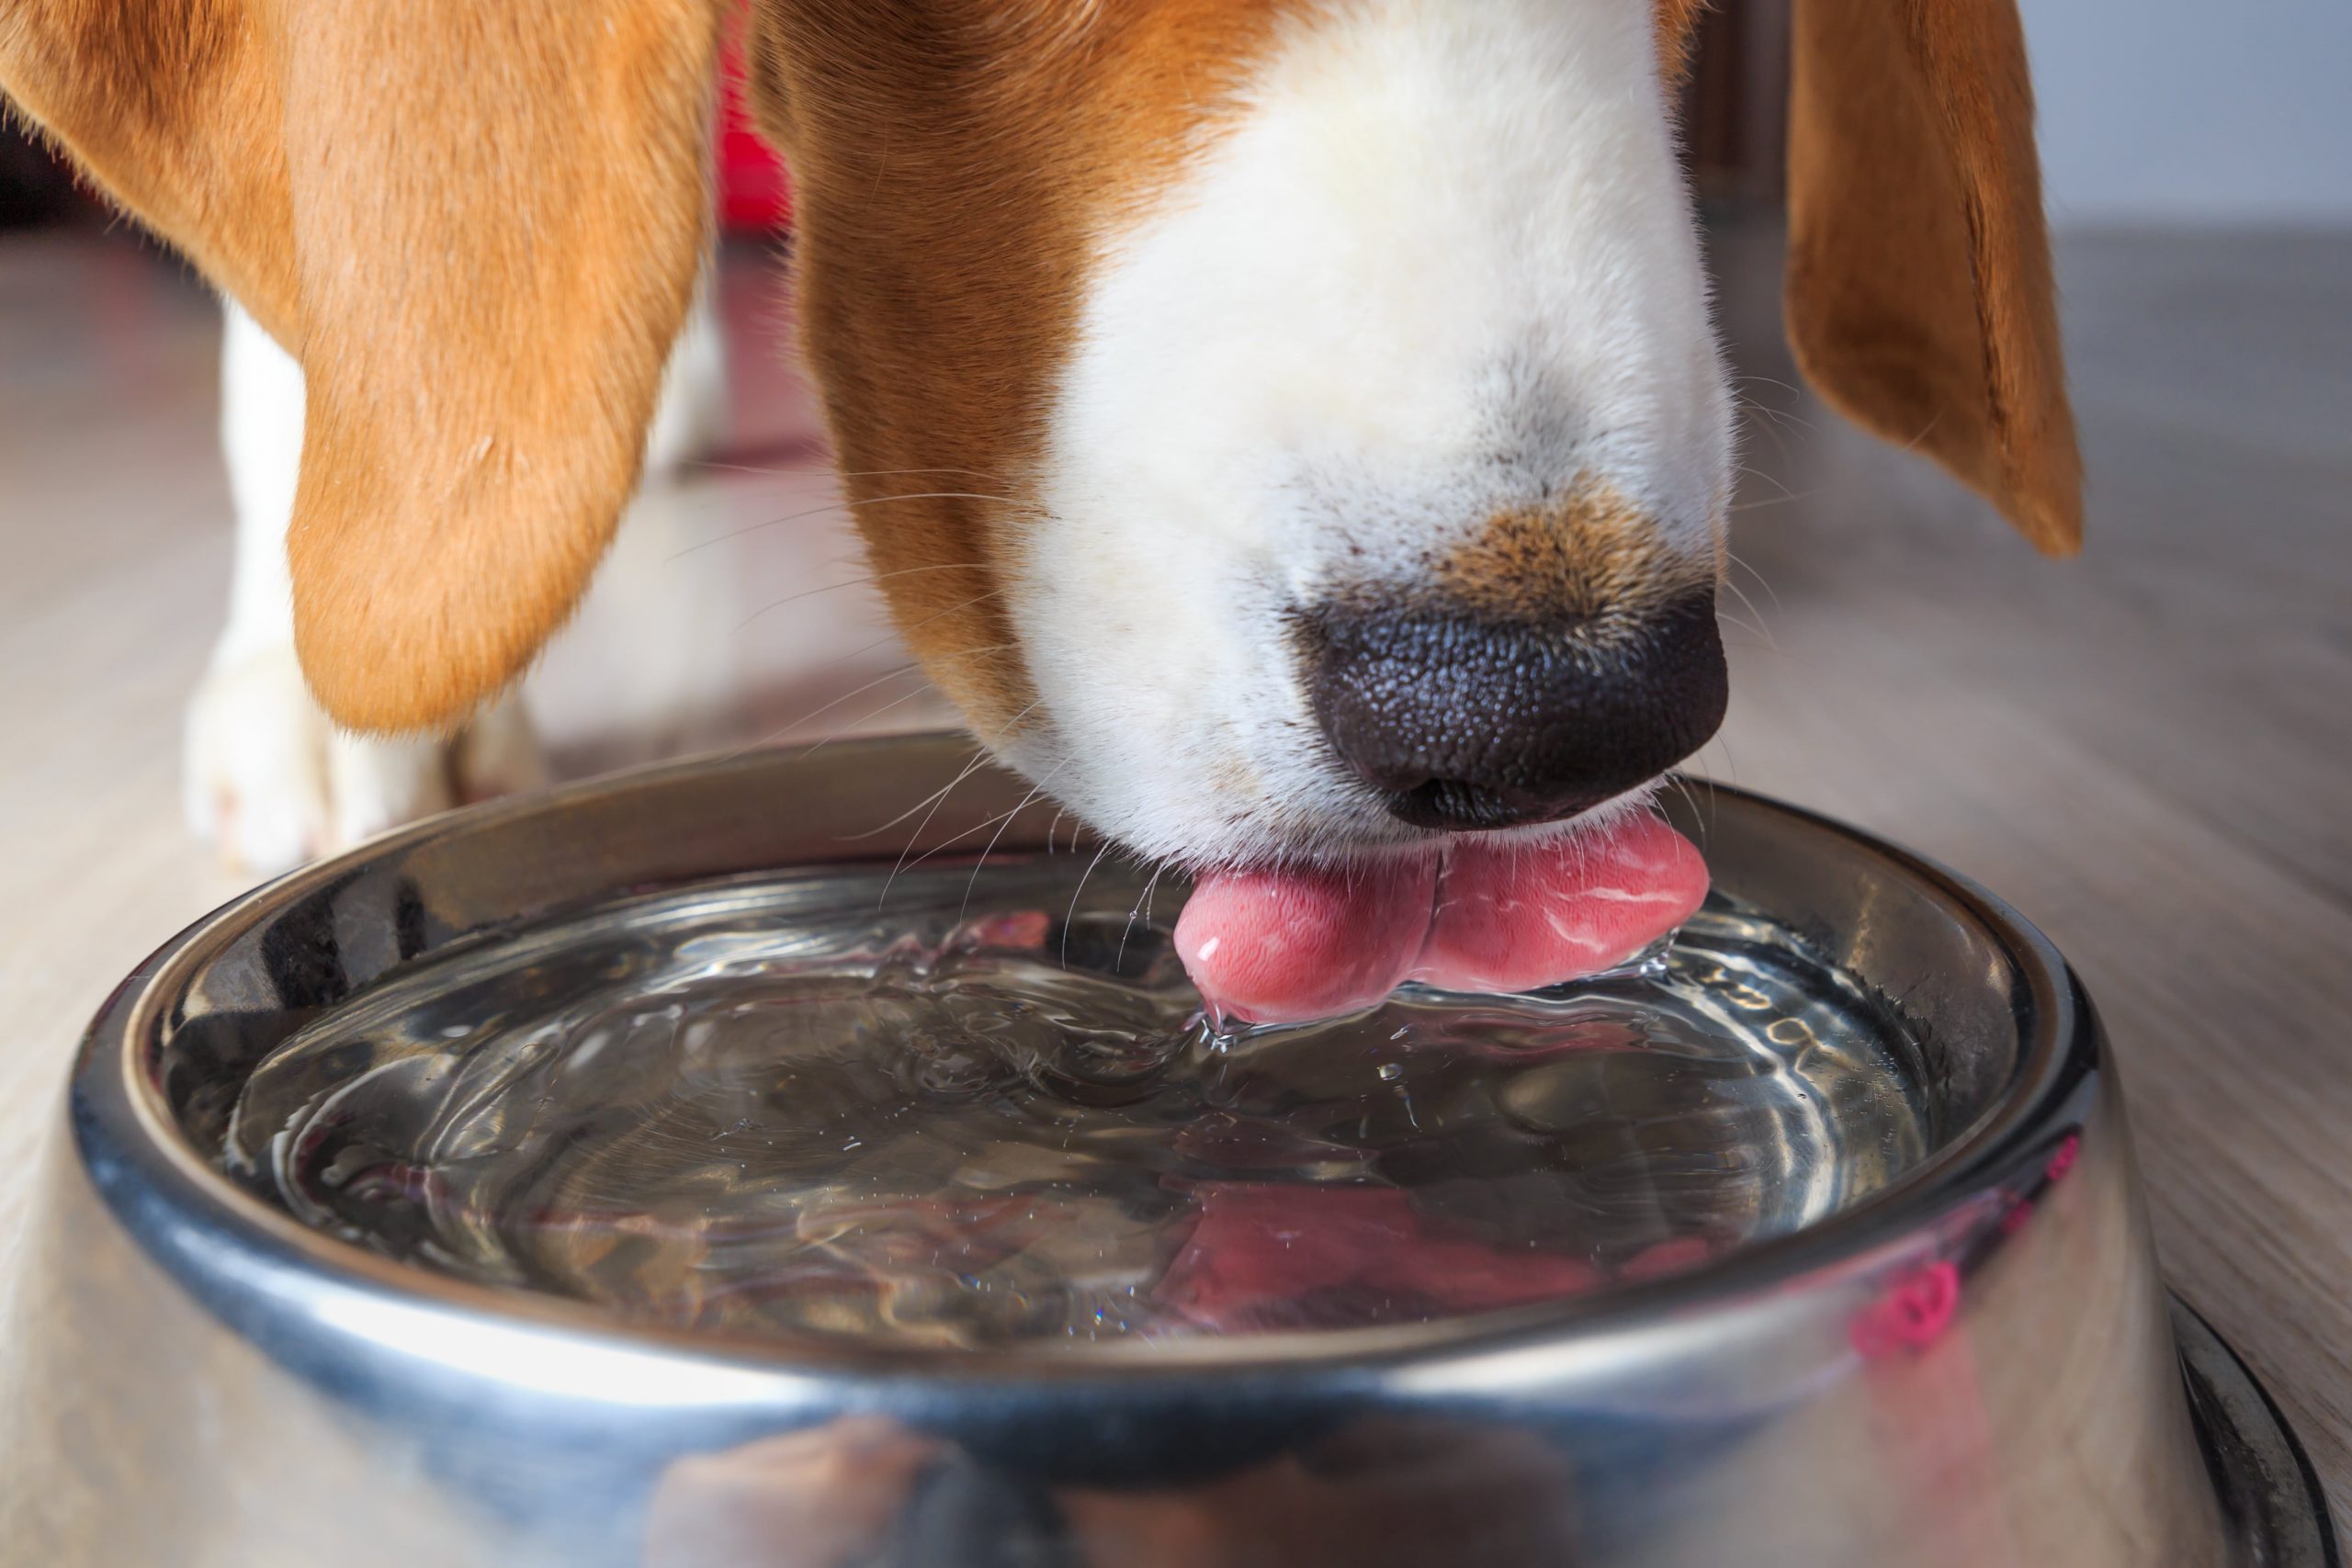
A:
{"x": 1589, "y": 556}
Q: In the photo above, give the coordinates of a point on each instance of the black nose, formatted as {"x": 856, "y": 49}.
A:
{"x": 1461, "y": 722}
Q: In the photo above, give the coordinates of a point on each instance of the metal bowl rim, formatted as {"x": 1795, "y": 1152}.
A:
{"x": 154, "y": 1182}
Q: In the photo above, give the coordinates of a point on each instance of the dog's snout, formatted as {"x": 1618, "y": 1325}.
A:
{"x": 1464, "y": 722}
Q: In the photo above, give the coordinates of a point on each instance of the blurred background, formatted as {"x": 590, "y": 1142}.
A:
{"x": 2145, "y": 750}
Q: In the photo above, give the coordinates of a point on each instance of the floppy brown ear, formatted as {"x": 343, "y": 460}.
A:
{"x": 477, "y": 225}
{"x": 1919, "y": 298}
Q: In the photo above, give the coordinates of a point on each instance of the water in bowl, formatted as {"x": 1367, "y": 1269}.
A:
{"x": 978, "y": 1110}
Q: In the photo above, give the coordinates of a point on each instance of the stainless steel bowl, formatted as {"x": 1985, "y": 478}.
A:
{"x": 1975, "y": 1366}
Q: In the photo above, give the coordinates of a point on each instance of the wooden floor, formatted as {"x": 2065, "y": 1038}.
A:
{"x": 2144, "y": 750}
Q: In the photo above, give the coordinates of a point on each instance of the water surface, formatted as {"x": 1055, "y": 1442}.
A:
{"x": 971, "y": 1112}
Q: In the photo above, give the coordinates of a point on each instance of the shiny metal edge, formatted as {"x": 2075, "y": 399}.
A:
{"x": 164, "y": 1194}
{"x": 2272, "y": 1498}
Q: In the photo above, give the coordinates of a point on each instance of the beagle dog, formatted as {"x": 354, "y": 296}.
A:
{"x": 1340, "y": 446}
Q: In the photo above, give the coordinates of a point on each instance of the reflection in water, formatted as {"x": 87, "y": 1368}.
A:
{"x": 762, "y": 1106}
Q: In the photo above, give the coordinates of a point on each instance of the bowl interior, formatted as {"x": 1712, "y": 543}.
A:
{"x": 312, "y": 1060}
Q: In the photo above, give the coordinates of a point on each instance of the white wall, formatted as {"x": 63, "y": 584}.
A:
{"x": 2194, "y": 110}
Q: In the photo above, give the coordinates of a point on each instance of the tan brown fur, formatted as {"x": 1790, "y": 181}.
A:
{"x": 1588, "y": 557}
{"x": 173, "y": 107}
{"x": 954, "y": 164}
{"x": 476, "y": 226}
{"x": 1919, "y": 298}
{"x": 1677, "y": 27}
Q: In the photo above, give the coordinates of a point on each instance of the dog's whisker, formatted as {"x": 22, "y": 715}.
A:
{"x": 1785, "y": 417}
{"x": 762, "y": 471}
{"x": 895, "y": 636}
{"x": 1078, "y": 892}
{"x": 1142, "y": 903}
{"x": 922, "y": 827}
{"x": 916, "y": 837}
{"x": 1761, "y": 648}
{"x": 751, "y": 528}
{"x": 999, "y": 821}
{"x": 1684, "y": 783}
{"x": 980, "y": 758}
{"x": 979, "y": 755}
{"x": 1773, "y": 479}
{"x": 1771, "y": 424}
{"x": 890, "y": 674}
{"x": 1683, "y": 790}
{"x": 980, "y": 476}
{"x": 866, "y": 580}
{"x": 981, "y": 598}
{"x": 1778, "y": 415}
{"x": 1754, "y": 646}
{"x": 1788, "y": 387}
{"x": 1733, "y": 557}
{"x": 1731, "y": 764}
{"x": 1782, "y": 500}
{"x": 886, "y": 638}
{"x": 718, "y": 465}
{"x": 849, "y": 505}
{"x": 858, "y": 724}
{"x": 1035, "y": 791}
{"x": 1755, "y": 616}
{"x": 971, "y": 765}
{"x": 1925, "y": 431}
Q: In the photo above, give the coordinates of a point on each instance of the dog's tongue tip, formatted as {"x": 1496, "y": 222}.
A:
{"x": 1279, "y": 945}
{"x": 1273, "y": 946}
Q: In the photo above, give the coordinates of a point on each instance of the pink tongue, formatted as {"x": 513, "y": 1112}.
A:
{"x": 1276, "y": 947}
{"x": 1279, "y": 945}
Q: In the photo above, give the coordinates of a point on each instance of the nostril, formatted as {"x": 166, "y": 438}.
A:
{"x": 1465, "y": 723}
{"x": 1454, "y": 803}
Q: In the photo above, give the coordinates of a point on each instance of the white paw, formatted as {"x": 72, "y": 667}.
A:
{"x": 270, "y": 782}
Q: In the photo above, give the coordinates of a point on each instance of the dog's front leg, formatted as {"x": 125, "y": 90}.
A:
{"x": 269, "y": 781}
